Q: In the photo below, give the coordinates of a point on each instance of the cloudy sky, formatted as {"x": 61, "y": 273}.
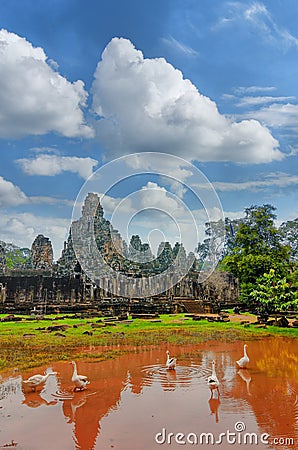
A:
{"x": 83, "y": 83}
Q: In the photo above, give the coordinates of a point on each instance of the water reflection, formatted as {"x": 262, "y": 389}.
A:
{"x": 245, "y": 376}
{"x": 34, "y": 400}
{"x": 133, "y": 397}
{"x": 214, "y": 406}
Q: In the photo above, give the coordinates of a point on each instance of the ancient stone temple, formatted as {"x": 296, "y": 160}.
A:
{"x": 42, "y": 253}
{"x": 67, "y": 263}
{"x": 91, "y": 225}
{"x": 67, "y": 284}
{"x": 2, "y": 258}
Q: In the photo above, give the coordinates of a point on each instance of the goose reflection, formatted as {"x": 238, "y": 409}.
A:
{"x": 214, "y": 406}
{"x": 70, "y": 406}
{"x": 169, "y": 383}
{"x": 34, "y": 400}
{"x": 245, "y": 376}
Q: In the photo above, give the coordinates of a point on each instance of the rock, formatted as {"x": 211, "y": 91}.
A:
{"x": 77, "y": 325}
{"x": 58, "y": 327}
{"x": 42, "y": 253}
{"x": 11, "y": 318}
{"x": 98, "y": 325}
{"x": 60, "y": 334}
{"x": 282, "y": 322}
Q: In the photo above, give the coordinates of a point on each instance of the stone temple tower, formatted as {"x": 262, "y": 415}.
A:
{"x": 42, "y": 253}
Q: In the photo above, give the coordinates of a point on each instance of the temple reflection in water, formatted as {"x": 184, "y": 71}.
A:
{"x": 130, "y": 398}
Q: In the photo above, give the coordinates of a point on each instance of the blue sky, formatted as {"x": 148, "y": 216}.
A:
{"x": 82, "y": 83}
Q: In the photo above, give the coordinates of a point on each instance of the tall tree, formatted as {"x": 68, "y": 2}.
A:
{"x": 219, "y": 241}
{"x": 257, "y": 249}
{"x": 288, "y": 232}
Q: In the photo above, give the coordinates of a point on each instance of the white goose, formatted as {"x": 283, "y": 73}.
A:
{"x": 36, "y": 380}
{"x": 243, "y": 362}
{"x": 171, "y": 362}
{"x": 212, "y": 381}
{"x": 80, "y": 381}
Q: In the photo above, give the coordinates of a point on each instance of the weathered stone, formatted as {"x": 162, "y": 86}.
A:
{"x": 58, "y": 327}
{"x": 282, "y": 322}
{"x": 98, "y": 325}
{"x": 42, "y": 253}
{"x": 2, "y": 258}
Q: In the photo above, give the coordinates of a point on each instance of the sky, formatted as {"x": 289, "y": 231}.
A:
{"x": 84, "y": 83}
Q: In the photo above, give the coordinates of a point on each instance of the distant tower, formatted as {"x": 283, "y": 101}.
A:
{"x": 2, "y": 258}
{"x": 42, "y": 253}
{"x": 92, "y": 207}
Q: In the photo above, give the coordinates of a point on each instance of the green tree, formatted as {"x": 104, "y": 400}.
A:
{"x": 211, "y": 250}
{"x": 288, "y": 232}
{"x": 257, "y": 249}
{"x": 275, "y": 293}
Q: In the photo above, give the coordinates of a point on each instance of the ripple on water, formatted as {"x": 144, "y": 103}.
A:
{"x": 69, "y": 394}
{"x": 64, "y": 394}
{"x": 182, "y": 375}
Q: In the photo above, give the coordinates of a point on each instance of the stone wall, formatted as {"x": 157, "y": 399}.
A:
{"x": 39, "y": 288}
{"x": 42, "y": 253}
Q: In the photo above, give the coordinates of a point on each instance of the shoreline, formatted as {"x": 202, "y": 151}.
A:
{"x": 33, "y": 342}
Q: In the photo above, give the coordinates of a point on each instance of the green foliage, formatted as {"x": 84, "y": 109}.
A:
{"x": 15, "y": 257}
{"x": 213, "y": 247}
{"x": 288, "y": 232}
{"x": 275, "y": 292}
{"x": 257, "y": 249}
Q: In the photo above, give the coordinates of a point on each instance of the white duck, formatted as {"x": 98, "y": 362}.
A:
{"x": 36, "y": 380}
{"x": 243, "y": 362}
{"x": 80, "y": 381}
{"x": 212, "y": 381}
{"x": 171, "y": 362}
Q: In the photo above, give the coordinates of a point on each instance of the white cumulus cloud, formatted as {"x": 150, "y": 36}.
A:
{"x": 22, "y": 228}
{"x": 34, "y": 98}
{"x": 146, "y": 105}
{"x": 278, "y": 115}
{"x": 51, "y": 165}
{"x": 11, "y": 195}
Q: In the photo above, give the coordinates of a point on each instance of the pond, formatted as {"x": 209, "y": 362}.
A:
{"x": 134, "y": 403}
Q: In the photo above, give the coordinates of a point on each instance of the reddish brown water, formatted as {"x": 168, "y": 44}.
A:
{"x": 134, "y": 403}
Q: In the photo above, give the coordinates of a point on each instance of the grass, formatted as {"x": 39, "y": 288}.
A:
{"x": 28, "y": 343}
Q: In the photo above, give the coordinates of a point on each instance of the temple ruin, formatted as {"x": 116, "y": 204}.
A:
{"x": 64, "y": 286}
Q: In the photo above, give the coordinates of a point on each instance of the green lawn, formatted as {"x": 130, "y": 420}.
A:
{"x": 28, "y": 343}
